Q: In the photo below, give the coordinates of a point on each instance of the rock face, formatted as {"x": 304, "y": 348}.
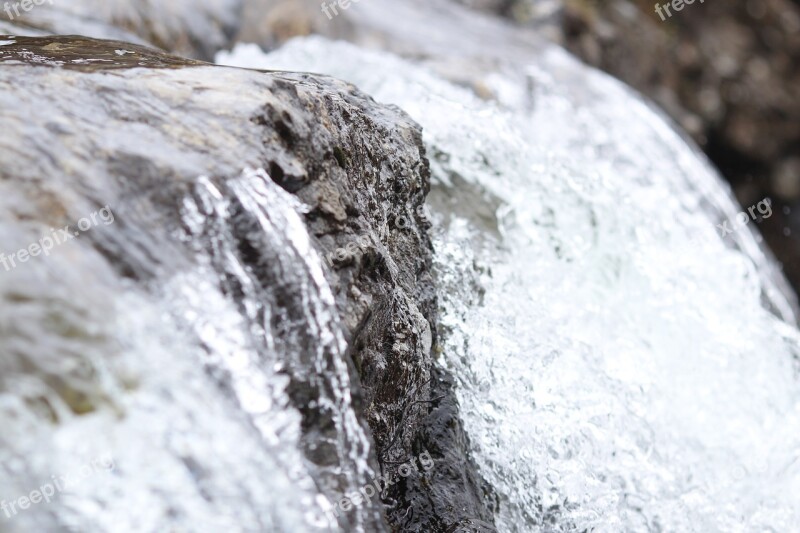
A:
{"x": 246, "y": 319}
{"x": 608, "y": 343}
{"x": 298, "y": 300}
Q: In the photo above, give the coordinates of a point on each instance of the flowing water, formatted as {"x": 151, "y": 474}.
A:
{"x": 187, "y": 377}
{"x": 621, "y": 367}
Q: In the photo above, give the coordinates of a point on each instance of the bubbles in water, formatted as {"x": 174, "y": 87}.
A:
{"x": 611, "y": 376}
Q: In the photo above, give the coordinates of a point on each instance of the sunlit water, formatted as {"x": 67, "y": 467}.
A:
{"x": 620, "y": 366}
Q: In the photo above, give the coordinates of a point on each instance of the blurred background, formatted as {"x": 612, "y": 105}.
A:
{"x": 727, "y": 72}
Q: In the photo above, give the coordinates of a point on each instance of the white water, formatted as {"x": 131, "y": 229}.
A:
{"x": 180, "y": 389}
{"x": 620, "y": 367}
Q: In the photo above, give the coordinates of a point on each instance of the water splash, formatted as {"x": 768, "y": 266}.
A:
{"x": 621, "y": 367}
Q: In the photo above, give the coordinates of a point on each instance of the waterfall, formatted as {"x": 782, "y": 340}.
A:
{"x": 620, "y": 364}
{"x": 188, "y": 380}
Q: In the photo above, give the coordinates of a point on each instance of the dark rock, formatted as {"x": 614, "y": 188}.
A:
{"x": 86, "y": 54}
{"x": 164, "y": 140}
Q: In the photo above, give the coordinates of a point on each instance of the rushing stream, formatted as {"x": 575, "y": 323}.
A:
{"x": 620, "y": 365}
{"x": 187, "y": 362}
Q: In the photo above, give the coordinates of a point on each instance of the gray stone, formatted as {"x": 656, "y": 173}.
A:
{"x": 163, "y": 141}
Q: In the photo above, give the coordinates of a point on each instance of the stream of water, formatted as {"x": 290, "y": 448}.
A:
{"x": 621, "y": 367}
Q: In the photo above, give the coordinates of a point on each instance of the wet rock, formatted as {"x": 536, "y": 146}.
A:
{"x": 83, "y": 53}
{"x": 513, "y": 188}
{"x": 470, "y": 49}
{"x": 163, "y": 142}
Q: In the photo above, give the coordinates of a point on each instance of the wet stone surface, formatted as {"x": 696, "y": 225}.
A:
{"x": 165, "y": 142}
